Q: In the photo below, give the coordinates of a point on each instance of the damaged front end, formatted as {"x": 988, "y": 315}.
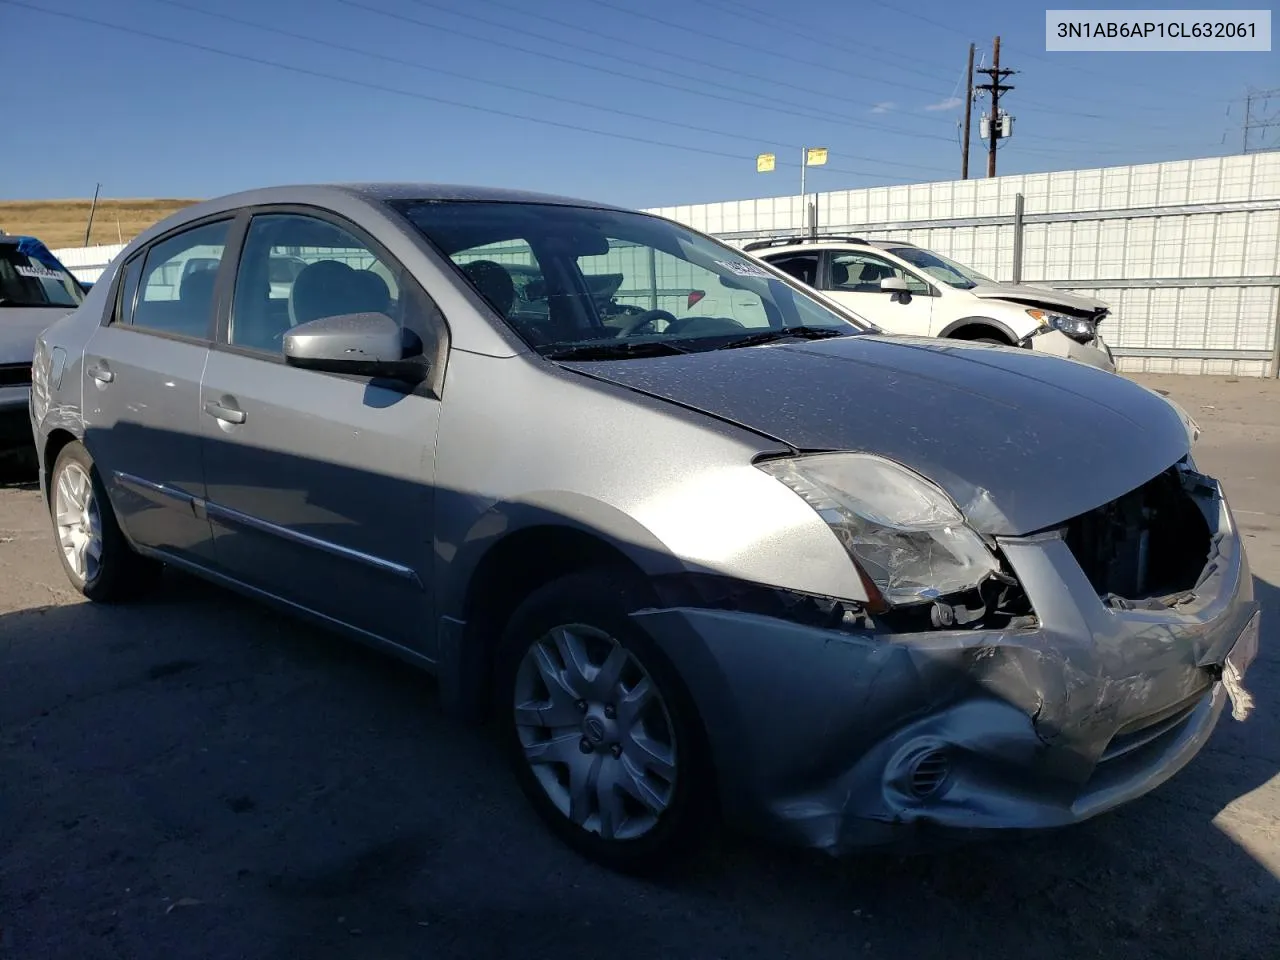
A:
{"x": 1069, "y": 333}
{"x": 1086, "y": 665}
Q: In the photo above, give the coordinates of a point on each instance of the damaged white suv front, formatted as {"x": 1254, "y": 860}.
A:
{"x": 908, "y": 290}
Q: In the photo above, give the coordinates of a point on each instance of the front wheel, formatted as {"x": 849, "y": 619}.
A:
{"x": 95, "y": 555}
{"x": 599, "y": 729}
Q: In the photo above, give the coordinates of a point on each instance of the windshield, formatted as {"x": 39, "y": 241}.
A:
{"x": 940, "y": 268}
{"x": 614, "y": 283}
{"x": 33, "y": 278}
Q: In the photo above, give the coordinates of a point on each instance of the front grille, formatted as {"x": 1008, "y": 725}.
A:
{"x": 15, "y": 374}
{"x": 1151, "y": 542}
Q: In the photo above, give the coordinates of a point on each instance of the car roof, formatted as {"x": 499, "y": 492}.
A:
{"x": 383, "y": 192}
{"x": 408, "y": 190}
{"x": 794, "y": 244}
{"x": 345, "y": 197}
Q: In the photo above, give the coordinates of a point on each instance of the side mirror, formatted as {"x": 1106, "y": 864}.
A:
{"x": 362, "y": 344}
{"x": 894, "y": 285}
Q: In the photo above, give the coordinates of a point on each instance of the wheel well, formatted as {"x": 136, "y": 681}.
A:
{"x": 52, "y": 447}
{"x": 510, "y": 571}
{"x": 975, "y": 331}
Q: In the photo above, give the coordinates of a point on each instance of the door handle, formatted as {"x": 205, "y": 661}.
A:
{"x": 225, "y": 414}
{"x": 101, "y": 374}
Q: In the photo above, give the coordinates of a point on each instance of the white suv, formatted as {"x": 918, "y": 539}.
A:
{"x": 906, "y": 289}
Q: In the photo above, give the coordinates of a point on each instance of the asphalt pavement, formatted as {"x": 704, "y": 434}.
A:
{"x": 194, "y": 776}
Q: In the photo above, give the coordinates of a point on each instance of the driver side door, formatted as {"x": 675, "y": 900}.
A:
{"x": 320, "y": 485}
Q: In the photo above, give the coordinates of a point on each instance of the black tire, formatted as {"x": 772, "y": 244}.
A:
{"x": 603, "y": 600}
{"x": 992, "y": 340}
{"x": 121, "y": 573}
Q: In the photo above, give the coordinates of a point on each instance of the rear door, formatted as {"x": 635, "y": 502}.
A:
{"x": 853, "y": 279}
{"x": 319, "y": 484}
{"x": 142, "y": 372}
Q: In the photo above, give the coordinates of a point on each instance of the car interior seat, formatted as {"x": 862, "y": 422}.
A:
{"x": 331, "y": 288}
{"x": 494, "y": 283}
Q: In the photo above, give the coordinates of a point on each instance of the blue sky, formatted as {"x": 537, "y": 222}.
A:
{"x": 878, "y": 82}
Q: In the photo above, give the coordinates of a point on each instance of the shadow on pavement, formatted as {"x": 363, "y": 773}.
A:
{"x": 19, "y": 469}
{"x": 196, "y": 776}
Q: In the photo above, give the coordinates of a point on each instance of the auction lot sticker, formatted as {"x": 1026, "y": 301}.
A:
{"x": 1239, "y": 31}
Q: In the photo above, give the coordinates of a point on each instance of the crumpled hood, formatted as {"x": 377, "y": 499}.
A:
{"x": 19, "y": 328}
{"x": 1031, "y": 295}
{"x": 1021, "y": 442}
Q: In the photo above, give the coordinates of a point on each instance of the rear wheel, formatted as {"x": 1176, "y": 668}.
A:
{"x": 600, "y": 731}
{"x": 95, "y": 555}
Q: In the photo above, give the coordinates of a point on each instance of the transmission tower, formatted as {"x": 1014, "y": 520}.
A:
{"x": 1259, "y": 117}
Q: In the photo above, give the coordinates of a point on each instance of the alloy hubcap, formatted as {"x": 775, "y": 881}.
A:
{"x": 596, "y": 732}
{"x": 79, "y": 521}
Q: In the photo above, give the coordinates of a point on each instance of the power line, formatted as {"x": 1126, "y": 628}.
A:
{"x": 615, "y": 38}
{"x": 699, "y": 128}
{"x": 1093, "y": 73}
{"x": 382, "y": 88}
{"x": 757, "y": 100}
{"x": 775, "y": 22}
{"x": 786, "y": 107}
{"x": 753, "y": 47}
{"x": 1042, "y": 58}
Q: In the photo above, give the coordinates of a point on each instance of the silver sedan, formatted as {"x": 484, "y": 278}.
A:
{"x": 700, "y": 545}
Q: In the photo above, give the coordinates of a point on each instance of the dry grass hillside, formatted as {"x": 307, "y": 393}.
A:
{"x": 61, "y": 223}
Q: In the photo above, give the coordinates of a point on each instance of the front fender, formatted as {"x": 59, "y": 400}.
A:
{"x": 457, "y": 563}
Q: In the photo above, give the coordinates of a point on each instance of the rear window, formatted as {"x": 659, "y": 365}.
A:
{"x": 26, "y": 281}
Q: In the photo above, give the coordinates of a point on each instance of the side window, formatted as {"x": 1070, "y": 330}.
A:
{"x": 177, "y": 280}
{"x": 802, "y": 266}
{"x": 295, "y": 269}
{"x": 631, "y": 279}
{"x": 862, "y": 273}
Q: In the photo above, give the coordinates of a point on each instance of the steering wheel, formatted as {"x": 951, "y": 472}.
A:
{"x": 644, "y": 319}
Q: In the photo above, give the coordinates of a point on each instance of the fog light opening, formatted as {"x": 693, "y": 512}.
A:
{"x": 928, "y": 774}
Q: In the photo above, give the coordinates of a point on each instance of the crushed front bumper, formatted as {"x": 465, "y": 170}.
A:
{"x": 838, "y": 740}
{"x": 1095, "y": 353}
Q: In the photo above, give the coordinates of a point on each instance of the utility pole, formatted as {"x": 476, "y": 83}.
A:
{"x": 968, "y": 118}
{"x": 1256, "y": 119}
{"x": 995, "y": 88}
{"x": 88, "y": 227}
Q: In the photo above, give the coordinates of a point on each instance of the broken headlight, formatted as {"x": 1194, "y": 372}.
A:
{"x": 1076, "y": 328}
{"x": 908, "y": 540}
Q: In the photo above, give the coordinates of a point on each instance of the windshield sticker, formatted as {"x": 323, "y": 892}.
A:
{"x": 40, "y": 273}
{"x": 744, "y": 269}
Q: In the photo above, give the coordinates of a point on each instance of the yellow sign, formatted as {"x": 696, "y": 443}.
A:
{"x": 817, "y": 156}
{"x": 765, "y": 162}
